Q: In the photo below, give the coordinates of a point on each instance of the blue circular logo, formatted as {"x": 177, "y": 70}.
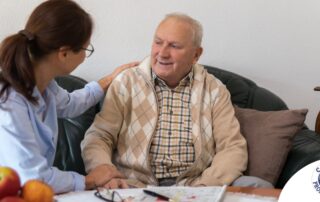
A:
{"x": 316, "y": 179}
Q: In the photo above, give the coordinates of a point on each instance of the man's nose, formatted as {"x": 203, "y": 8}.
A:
{"x": 164, "y": 52}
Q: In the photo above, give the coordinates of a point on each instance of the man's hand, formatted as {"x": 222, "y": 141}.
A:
{"x": 106, "y": 81}
{"x": 101, "y": 175}
{"x": 116, "y": 183}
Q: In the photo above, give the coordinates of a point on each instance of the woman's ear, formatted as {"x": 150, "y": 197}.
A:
{"x": 63, "y": 53}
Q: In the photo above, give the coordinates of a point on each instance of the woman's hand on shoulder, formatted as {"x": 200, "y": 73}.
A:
{"x": 106, "y": 81}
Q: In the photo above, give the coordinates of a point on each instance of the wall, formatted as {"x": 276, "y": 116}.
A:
{"x": 273, "y": 42}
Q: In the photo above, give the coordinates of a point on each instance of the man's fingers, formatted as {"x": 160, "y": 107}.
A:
{"x": 117, "y": 174}
{"x": 116, "y": 183}
{"x": 123, "y": 184}
{"x": 113, "y": 184}
{"x": 120, "y": 175}
{"x": 107, "y": 176}
{"x": 102, "y": 182}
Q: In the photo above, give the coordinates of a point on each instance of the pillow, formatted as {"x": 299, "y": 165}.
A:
{"x": 269, "y": 137}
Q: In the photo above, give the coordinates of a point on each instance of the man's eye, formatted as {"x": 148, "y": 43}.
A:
{"x": 175, "y": 46}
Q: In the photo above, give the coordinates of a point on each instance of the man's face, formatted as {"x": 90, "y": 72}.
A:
{"x": 173, "y": 51}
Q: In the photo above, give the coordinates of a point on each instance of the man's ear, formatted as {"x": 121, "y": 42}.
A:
{"x": 63, "y": 53}
{"x": 197, "y": 54}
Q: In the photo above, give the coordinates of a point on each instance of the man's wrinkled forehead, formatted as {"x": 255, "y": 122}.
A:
{"x": 174, "y": 30}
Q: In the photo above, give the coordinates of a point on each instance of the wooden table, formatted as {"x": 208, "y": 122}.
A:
{"x": 256, "y": 191}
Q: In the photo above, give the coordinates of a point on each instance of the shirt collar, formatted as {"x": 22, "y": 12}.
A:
{"x": 41, "y": 98}
{"x": 187, "y": 80}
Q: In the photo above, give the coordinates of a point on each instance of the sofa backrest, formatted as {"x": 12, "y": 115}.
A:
{"x": 71, "y": 131}
{"x": 245, "y": 93}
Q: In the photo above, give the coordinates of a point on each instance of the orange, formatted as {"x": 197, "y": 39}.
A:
{"x": 37, "y": 191}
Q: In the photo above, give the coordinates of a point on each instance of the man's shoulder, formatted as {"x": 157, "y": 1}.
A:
{"x": 201, "y": 74}
{"x": 129, "y": 81}
{"x": 128, "y": 74}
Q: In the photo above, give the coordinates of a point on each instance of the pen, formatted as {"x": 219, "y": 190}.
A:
{"x": 152, "y": 193}
{"x": 222, "y": 193}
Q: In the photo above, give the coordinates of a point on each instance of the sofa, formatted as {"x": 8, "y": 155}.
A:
{"x": 244, "y": 92}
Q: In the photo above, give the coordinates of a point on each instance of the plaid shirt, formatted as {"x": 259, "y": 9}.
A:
{"x": 172, "y": 150}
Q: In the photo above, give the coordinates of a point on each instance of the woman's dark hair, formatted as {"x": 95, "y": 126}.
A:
{"x": 53, "y": 24}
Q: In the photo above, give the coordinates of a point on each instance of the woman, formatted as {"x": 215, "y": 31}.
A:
{"x": 54, "y": 42}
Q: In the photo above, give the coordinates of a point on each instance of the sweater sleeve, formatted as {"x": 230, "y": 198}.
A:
{"x": 102, "y": 136}
{"x": 230, "y": 158}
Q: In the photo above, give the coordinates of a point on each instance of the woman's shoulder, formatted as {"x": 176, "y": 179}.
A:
{"x": 53, "y": 87}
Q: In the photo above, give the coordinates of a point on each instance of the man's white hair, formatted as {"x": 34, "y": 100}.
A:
{"x": 195, "y": 26}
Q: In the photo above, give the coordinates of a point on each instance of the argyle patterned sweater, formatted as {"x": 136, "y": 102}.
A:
{"x": 122, "y": 132}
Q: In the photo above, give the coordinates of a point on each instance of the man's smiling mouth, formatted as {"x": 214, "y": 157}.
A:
{"x": 165, "y": 63}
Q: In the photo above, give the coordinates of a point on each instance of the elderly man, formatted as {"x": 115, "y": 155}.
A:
{"x": 167, "y": 121}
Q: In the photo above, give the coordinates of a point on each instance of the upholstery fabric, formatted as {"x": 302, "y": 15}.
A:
{"x": 71, "y": 131}
{"x": 269, "y": 136}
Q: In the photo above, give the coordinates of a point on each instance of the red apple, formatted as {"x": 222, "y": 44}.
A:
{"x": 9, "y": 182}
{"x": 12, "y": 199}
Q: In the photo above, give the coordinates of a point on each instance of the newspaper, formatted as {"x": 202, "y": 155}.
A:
{"x": 175, "y": 194}
{"x": 178, "y": 194}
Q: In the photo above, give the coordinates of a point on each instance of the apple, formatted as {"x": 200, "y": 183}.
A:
{"x": 12, "y": 199}
{"x": 37, "y": 191}
{"x": 9, "y": 182}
